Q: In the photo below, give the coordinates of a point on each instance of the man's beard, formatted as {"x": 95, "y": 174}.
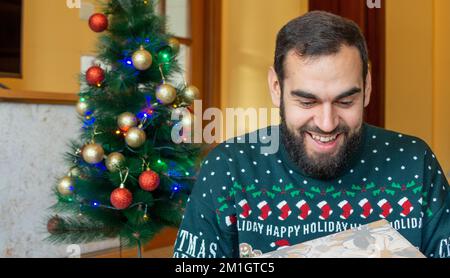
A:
{"x": 320, "y": 166}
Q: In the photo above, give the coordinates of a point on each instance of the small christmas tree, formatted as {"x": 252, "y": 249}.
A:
{"x": 127, "y": 177}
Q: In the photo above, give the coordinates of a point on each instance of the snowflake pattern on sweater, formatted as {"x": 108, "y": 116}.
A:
{"x": 246, "y": 203}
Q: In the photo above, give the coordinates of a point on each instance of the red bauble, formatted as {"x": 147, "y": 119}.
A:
{"x": 149, "y": 180}
{"x": 54, "y": 224}
{"x": 98, "y": 22}
{"x": 95, "y": 75}
{"x": 121, "y": 198}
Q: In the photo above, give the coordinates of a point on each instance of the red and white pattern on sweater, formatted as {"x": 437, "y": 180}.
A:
{"x": 280, "y": 244}
{"x": 265, "y": 209}
{"x": 405, "y": 203}
{"x": 386, "y": 208}
{"x": 326, "y": 210}
{"x": 246, "y": 209}
{"x": 230, "y": 220}
{"x": 304, "y": 208}
{"x": 367, "y": 208}
{"x": 347, "y": 209}
{"x": 285, "y": 210}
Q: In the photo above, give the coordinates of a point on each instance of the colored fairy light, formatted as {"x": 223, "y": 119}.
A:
{"x": 95, "y": 204}
{"x": 176, "y": 188}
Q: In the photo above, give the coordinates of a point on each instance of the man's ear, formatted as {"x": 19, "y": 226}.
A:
{"x": 368, "y": 89}
{"x": 274, "y": 87}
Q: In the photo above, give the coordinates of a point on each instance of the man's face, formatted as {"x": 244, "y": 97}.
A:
{"x": 321, "y": 109}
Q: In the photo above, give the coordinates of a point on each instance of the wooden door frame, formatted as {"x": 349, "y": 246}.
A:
{"x": 372, "y": 24}
{"x": 206, "y": 22}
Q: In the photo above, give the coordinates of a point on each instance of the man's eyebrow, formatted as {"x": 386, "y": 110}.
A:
{"x": 304, "y": 94}
{"x": 352, "y": 91}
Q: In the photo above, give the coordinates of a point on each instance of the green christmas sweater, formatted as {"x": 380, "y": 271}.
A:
{"x": 246, "y": 203}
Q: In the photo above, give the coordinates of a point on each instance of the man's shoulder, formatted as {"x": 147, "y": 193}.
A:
{"x": 249, "y": 142}
{"x": 394, "y": 138}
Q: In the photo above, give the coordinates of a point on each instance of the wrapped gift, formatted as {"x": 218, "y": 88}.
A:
{"x": 374, "y": 240}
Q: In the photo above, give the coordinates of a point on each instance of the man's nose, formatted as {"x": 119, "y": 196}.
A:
{"x": 327, "y": 119}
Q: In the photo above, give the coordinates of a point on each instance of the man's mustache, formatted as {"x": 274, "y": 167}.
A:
{"x": 316, "y": 130}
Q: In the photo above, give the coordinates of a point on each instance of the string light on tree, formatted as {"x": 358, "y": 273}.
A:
{"x": 175, "y": 189}
{"x": 165, "y": 55}
{"x": 94, "y": 204}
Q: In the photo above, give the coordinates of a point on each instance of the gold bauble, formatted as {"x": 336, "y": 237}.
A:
{"x": 82, "y": 108}
{"x": 166, "y": 94}
{"x": 174, "y": 45}
{"x": 135, "y": 137}
{"x": 142, "y": 59}
{"x": 65, "y": 186}
{"x": 190, "y": 94}
{"x": 93, "y": 153}
{"x": 126, "y": 120}
{"x": 114, "y": 161}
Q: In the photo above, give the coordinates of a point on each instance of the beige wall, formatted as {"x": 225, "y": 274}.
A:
{"x": 248, "y": 45}
{"x": 54, "y": 39}
{"x": 417, "y": 70}
{"x": 441, "y": 83}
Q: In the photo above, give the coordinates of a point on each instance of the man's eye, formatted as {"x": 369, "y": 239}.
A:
{"x": 346, "y": 103}
{"x": 307, "y": 103}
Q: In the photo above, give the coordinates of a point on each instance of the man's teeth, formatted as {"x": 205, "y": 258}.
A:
{"x": 323, "y": 139}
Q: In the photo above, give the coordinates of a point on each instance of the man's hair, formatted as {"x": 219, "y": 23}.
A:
{"x": 318, "y": 33}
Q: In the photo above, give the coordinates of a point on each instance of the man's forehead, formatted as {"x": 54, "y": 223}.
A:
{"x": 324, "y": 73}
{"x": 345, "y": 53}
